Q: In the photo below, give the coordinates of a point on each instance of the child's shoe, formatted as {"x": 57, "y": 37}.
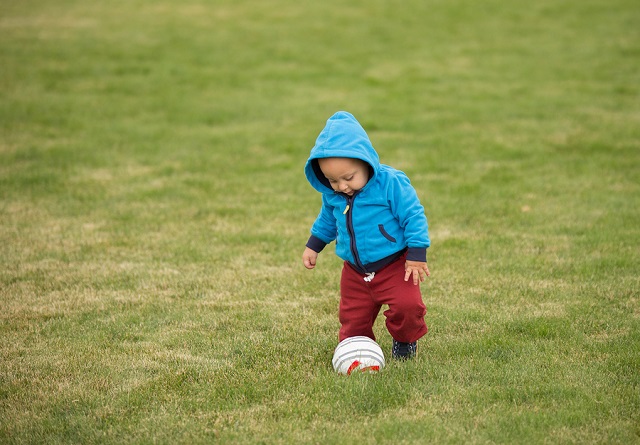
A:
{"x": 404, "y": 351}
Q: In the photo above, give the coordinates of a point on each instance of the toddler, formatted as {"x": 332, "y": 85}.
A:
{"x": 374, "y": 215}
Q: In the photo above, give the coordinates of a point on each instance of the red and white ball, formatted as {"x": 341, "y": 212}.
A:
{"x": 357, "y": 354}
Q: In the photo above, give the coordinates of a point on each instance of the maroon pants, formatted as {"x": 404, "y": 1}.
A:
{"x": 361, "y": 301}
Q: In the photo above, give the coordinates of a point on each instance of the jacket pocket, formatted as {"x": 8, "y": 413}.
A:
{"x": 385, "y": 234}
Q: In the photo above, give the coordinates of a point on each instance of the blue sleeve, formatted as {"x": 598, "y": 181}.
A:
{"x": 324, "y": 228}
{"x": 406, "y": 207}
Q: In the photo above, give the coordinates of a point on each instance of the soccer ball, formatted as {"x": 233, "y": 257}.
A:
{"x": 357, "y": 354}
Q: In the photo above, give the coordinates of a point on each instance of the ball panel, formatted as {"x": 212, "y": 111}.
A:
{"x": 367, "y": 358}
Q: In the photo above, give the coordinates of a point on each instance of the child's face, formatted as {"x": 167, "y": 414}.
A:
{"x": 345, "y": 175}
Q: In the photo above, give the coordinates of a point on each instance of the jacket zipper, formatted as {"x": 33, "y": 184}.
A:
{"x": 352, "y": 232}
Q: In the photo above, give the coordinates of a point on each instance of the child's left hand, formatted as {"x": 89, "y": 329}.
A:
{"x": 418, "y": 269}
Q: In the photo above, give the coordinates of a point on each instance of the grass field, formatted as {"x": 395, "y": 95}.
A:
{"x": 153, "y": 211}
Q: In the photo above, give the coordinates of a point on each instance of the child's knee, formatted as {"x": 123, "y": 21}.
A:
{"x": 408, "y": 307}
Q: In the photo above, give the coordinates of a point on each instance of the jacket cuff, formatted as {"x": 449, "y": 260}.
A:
{"x": 316, "y": 244}
{"x": 417, "y": 254}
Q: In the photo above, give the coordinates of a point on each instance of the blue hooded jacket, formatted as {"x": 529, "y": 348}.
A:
{"x": 380, "y": 221}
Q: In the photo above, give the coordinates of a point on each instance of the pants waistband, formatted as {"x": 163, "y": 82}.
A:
{"x": 376, "y": 266}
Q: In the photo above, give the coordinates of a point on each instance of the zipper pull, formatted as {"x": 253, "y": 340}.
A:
{"x": 346, "y": 209}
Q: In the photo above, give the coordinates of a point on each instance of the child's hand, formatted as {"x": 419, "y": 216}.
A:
{"x": 309, "y": 258}
{"x": 418, "y": 269}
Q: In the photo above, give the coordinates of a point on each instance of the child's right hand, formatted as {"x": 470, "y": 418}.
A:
{"x": 309, "y": 258}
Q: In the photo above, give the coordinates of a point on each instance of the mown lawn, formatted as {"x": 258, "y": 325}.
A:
{"x": 153, "y": 211}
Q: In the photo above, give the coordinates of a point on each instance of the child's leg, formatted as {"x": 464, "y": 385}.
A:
{"x": 358, "y": 310}
{"x": 405, "y": 316}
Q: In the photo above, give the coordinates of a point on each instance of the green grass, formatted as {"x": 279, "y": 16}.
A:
{"x": 153, "y": 211}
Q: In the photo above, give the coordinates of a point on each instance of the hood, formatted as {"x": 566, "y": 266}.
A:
{"x": 342, "y": 137}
